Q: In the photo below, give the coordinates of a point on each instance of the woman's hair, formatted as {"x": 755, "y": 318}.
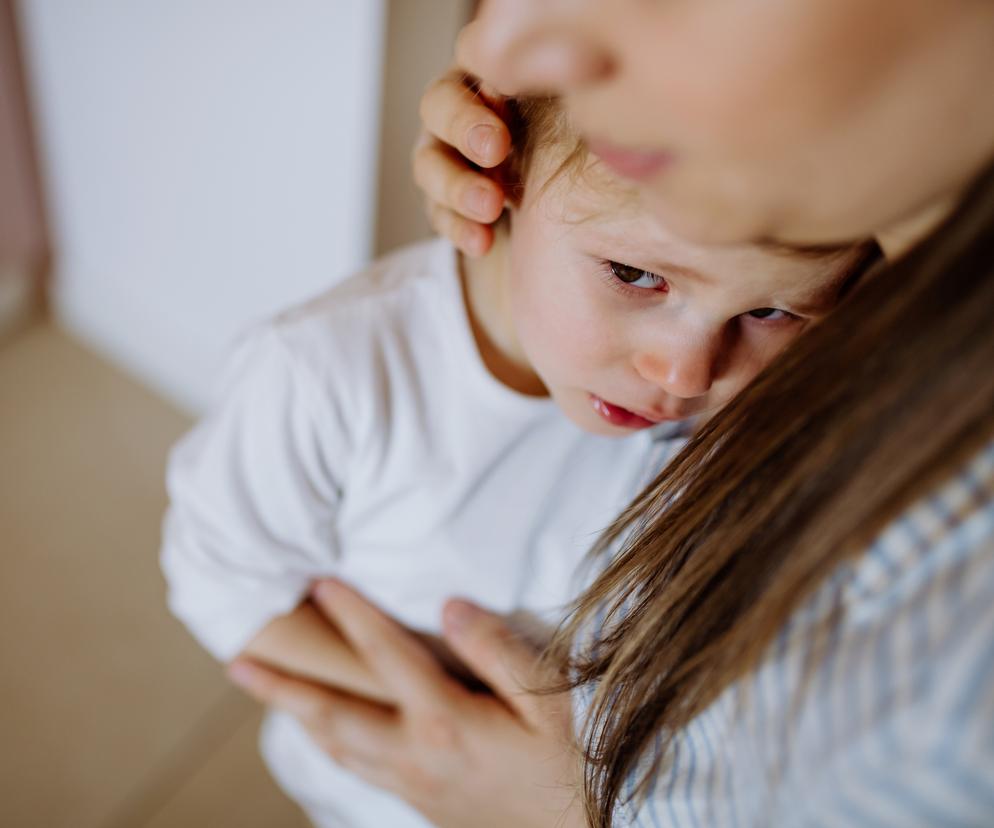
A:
{"x": 862, "y": 415}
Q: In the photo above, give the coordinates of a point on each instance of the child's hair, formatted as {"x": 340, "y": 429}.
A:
{"x": 860, "y": 417}
{"x": 539, "y": 124}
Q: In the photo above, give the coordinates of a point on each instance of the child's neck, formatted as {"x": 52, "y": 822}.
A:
{"x": 486, "y": 292}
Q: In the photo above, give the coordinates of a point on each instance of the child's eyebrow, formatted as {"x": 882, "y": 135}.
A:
{"x": 662, "y": 268}
{"x": 650, "y": 261}
{"x": 813, "y": 307}
{"x": 821, "y": 300}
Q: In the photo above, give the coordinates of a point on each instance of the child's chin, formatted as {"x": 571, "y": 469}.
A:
{"x": 577, "y": 409}
{"x": 593, "y": 424}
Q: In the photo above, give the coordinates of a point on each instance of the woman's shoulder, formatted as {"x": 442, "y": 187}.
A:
{"x": 878, "y": 689}
{"x": 945, "y": 534}
{"x": 892, "y": 683}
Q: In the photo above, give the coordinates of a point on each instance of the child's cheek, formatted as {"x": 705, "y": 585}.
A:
{"x": 581, "y": 340}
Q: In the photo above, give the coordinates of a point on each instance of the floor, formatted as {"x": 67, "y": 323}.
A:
{"x": 110, "y": 715}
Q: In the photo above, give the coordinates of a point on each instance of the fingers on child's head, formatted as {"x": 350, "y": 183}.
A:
{"x": 448, "y": 182}
{"x": 459, "y": 116}
{"x": 470, "y": 237}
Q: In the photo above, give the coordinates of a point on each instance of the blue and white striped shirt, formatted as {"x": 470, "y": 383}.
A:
{"x": 883, "y": 717}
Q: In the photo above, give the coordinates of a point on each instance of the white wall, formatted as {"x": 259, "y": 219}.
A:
{"x": 206, "y": 161}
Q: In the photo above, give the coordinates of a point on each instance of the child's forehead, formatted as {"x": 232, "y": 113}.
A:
{"x": 609, "y": 217}
{"x": 586, "y": 189}
{"x": 596, "y": 202}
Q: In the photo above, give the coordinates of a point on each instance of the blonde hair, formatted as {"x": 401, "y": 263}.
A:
{"x": 540, "y": 125}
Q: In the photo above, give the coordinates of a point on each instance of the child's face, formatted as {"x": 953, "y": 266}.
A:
{"x": 627, "y": 325}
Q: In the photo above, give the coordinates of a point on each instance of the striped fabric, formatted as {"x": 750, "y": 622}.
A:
{"x": 884, "y": 717}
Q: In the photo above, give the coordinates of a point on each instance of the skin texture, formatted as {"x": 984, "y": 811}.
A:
{"x": 437, "y": 747}
{"x": 808, "y": 122}
{"x": 304, "y": 644}
{"x": 681, "y": 340}
{"x": 811, "y": 121}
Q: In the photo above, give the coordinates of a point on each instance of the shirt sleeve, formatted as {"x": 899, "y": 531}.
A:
{"x": 927, "y": 756}
{"x": 254, "y": 493}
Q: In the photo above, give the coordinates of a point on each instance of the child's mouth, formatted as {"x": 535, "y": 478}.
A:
{"x": 618, "y": 416}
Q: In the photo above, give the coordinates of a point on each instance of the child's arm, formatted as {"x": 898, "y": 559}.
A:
{"x": 305, "y": 644}
{"x": 255, "y": 490}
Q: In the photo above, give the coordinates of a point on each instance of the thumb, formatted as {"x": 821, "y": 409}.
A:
{"x": 508, "y": 663}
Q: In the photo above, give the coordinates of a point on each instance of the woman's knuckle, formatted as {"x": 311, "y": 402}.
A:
{"x": 329, "y": 744}
{"x": 437, "y": 731}
{"x": 417, "y": 780}
{"x": 469, "y": 236}
{"x": 321, "y": 716}
{"x": 428, "y": 100}
{"x": 460, "y": 192}
{"x": 421, "y": 165}
{"x": 433, "y": 93}
{"x": 459, "y": 123}
{"x": 440, "y": 218}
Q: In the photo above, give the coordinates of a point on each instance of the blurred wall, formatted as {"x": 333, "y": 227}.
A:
{"x": 206, "y": 163}
{"x": 23, "y": 246}
{"x": 421, "y": 35}
{"x": 22, "y": 236}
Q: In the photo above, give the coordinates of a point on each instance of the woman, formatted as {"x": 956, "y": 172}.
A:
{"x": 798, "y": 627}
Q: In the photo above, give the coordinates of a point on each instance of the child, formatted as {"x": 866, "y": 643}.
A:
{"x": 405, "y": 430}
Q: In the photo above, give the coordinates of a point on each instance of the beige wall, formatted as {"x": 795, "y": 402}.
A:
{"x": 420, "y": 38}
{"x": 225, "y": 167}
{"x": 23, "y": 245}
{"x": 22, "y": 236}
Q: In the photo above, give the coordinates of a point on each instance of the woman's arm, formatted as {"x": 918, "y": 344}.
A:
{"x": 463, "y": 759}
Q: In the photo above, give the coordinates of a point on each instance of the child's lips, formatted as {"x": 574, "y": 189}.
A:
{"x": 623, "y": 417}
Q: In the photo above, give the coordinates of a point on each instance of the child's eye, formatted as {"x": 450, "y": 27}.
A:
{"x": 636, "y": 277}
{"x": 770, "y": 314}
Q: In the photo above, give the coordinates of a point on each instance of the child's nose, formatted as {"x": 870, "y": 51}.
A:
{"x": 686, "y": 371}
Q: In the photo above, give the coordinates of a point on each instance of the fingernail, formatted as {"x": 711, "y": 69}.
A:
{"x": 458, "y": 615}
{"x": 482, "y": 139}
{"x": 482, "y": 203}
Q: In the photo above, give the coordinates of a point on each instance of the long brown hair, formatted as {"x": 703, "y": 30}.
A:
{"x": 861, "y": 415}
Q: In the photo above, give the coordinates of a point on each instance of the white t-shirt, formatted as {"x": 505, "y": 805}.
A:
{"x": 361, "y": 436}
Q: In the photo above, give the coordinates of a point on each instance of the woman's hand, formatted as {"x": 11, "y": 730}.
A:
{"x": 463, "y": 759}
{"x": 302, "y": 643}
{"x": 461, "y": 125}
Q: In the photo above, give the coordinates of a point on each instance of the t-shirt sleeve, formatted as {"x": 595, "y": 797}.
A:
{"x": 254, "y": 492}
